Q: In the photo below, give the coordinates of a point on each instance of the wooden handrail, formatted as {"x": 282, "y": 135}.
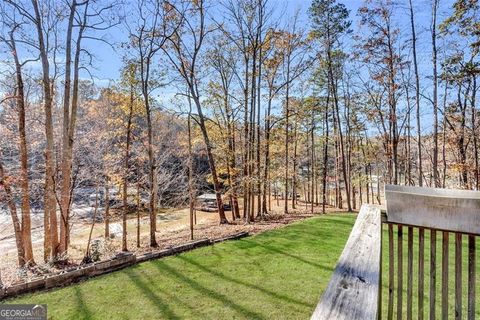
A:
{"x": 354, "y": 289}
{"x": 433, "y": 208}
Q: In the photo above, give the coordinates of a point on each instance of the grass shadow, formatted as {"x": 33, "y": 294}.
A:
{"x": 246, "y": 284}
{"x": 82, "y": 309}
{"x": 286, "y": 254}
{"x": 163, "y": 267}
{"x": 150, "y": 294}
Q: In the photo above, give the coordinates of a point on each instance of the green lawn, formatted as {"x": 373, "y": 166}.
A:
{"x": 274, "y": 275}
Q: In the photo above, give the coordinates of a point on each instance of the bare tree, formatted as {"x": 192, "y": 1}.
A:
{"x": 130, "y": 78}
{"x": 435, "y": 178}
{"x": 417, "y": 95}
{"x": 148, "y": 36}
{"x": 222, "y": 60}
{"x": 24, "y": 180}
{"x": 295, "y": 52}
{"x": 50, "y": 212}
{"x": 184, "y": 52}
{"x": 85, "y": 16}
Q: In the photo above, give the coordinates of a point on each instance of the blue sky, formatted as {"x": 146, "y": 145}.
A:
{"x": 109, "y": 60}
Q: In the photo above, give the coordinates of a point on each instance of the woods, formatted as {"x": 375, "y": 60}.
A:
{"x": 273, "y": 110}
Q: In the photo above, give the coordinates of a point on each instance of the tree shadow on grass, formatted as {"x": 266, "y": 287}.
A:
{"x": 83, "y": 312}
{"x": 246, "y": 284}
{"x": 330, "y": 229}
{"x": 286, "y": 254}
{"x": 164, "y": 268}
{"x": 150, "y": 294}
{"x": 171, "y": 298}
{"x": 324, "y": 224}
{"x": 333, "y": 235}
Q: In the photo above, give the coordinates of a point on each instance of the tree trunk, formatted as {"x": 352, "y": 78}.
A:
{"x": 287, "y": 116}
{"x": 152, "y": 170}
{"x": 417, "y": 96}
{"x": 138, "y": 211}
{"x": 50, "y": 212}
{"x": 66, "y": 143}
{"x": 461, "y": 140}
{"x": 392, "y": 103}
{"x": 24, "y": 185}
{"x": 436, "y": 181}
{"x": 13, "y": 212}
{"x": 211, "y": 160}
{"x": 246, "y": 194}
{"x": 191, "y": 195}
{"x": 87, "y": 258}
{"x": 232, "y": 166}
{"x": 127, "y": 171}
{"x": 294, "y": 176}
{"x": 474, "y": 133}
{"x": 340, "y": 134}
{"x": 253, "y": 110}
{"x": 338, "y": 190}
{"x": 259, "y": 87}
{"x": 107, "y": 208}
{"x": 325, "y": 153}
{"x": 312, "y": 159}
{"x": 266, "y": 167}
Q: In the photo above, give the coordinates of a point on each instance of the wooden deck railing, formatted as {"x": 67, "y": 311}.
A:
{"x": 354, "y": 292}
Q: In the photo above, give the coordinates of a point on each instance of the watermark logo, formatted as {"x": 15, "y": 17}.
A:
{"x": 23, "y": 312}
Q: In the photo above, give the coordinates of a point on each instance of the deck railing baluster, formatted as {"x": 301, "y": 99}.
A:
{"x": 458, "y": 276}
{"x": 445, "y": 276}
{"x": 421, "y": 272}
{"x": 409, "y": 273}
{"x": 391, "y": 271}
{"x": 471, "y": 277}
{"x": 433, "y": 272}
{"x": 399, "y": 272}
